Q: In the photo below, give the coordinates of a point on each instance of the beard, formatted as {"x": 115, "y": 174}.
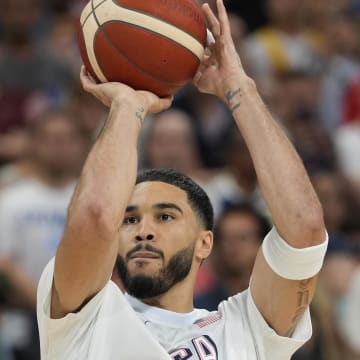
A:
{"x": 146, "y": 286}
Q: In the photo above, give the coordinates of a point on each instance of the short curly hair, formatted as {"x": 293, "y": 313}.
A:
{"x": 198, "y": 199}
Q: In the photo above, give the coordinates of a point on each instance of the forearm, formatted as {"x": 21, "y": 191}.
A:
{"x": 88, "y": 249}
{"x": 289, "y": 195}
{"x": 109, "y": 173}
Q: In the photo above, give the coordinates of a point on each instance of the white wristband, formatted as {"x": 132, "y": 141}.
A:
{"x": 292, "y": 263}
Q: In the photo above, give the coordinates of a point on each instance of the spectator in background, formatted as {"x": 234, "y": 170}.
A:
{"x": 14, "y": 142}
{"x": 38, "y": 203}
{"x": 341, "y": 67}
{"x": 297, "y": 108}
{"x": 252, "y": 12}
{"x": 349, "y": 319}
{"x": 331, "y": 190}
{"x": 33, "y": 211}
{"x": 212, "y": 122}
{"x": 238, "y": 235}
{"x": 351, "y": 108}
{"x": 347, "y": 139}
{"x": 24, "y": 65}
{"x": 62, "y": 42}
{"x": 17, "y": 289}
{"x": 282, "y": 45}
{"x": 329, "y": 307}
{"x": 171, "y": 141}
{"x": 238, "y": 182}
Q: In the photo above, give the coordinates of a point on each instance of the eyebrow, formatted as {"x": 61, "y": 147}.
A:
{"x": 164, "y": 206}
{"x": 131, "y": 208}
{"x": 159, "y": 206}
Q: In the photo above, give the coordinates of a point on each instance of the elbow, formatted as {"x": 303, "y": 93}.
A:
{"x": 94, "y": 209}
{"x": 312, "y": 223}
{"x": 92, "y": 213}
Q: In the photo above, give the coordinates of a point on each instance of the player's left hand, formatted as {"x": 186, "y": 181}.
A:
{"x": 221, "y": 68}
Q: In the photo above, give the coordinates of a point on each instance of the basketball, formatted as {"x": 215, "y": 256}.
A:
{"x": 153, "y": 45}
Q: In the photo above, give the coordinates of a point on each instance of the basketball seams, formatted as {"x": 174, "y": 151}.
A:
{"x": 156, "y": 34}
{"x": 90, "y": 50}
{"x": 91, "y": 13}
{"x": 98, "y": 23}
{"x": 129, "y": 61}
{"x": 196, "y": 47}
{"x": 156, "y": 18}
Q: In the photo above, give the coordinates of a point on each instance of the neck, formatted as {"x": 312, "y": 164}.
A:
{"x": 178, "y": 299}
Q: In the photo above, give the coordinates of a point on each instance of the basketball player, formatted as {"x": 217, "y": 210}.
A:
{"x": 159, "y": 231}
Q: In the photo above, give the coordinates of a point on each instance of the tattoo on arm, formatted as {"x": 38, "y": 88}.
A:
{"x": 303, "y": 301}
{"x": 233, "y": 108}
{"x": 230, "y": 95}
{"x": 140, "y": 115}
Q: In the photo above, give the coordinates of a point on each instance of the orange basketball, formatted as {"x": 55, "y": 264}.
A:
{"x": 151, "y": 45}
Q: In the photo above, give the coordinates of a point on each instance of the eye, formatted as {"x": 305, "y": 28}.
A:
{"x": 131, "y": 220}
{"x": 166, "y": 217}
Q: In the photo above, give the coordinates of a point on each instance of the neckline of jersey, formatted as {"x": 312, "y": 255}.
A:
{"x": 166, "y": 317}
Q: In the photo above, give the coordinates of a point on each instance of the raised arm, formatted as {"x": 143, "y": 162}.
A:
{"x": 88, "y": 249}
{"x": 294, "y": 207}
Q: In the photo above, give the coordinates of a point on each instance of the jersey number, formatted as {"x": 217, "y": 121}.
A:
{"x": 204, "y": 346}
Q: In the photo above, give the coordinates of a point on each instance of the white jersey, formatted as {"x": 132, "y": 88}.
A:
{"x": 113, "y": 326}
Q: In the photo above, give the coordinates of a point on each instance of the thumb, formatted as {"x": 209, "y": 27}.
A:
{"x": 162, "y": 104}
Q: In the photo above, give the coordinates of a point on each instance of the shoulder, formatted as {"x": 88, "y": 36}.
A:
{"x": 109, "y": 298}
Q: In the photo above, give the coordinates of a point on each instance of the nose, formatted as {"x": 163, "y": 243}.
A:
{"x": 145, "y": 231}
{"x": 144, "y": 237}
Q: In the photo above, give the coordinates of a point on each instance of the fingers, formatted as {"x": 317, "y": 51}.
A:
{"x": 86, "y": 82}
{"x": 162, "y": 104}
{"x": 223, "y": 18}
{"x": 198, "y": 75}
{"x": 213, "y": 22}
{"x": 165, "y": 103}
{"x": 154, "y": 104}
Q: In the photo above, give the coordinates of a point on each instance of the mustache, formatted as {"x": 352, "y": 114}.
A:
{"x": 145, "y": 247}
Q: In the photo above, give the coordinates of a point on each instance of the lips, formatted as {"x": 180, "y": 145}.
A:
{"x": 144, "y": 255}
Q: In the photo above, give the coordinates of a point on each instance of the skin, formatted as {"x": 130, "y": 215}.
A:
{"x": 169, "y": 230}
{"x": 88, "y": 250}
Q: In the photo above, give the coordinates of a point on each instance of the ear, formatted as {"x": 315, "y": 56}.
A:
{"x": 204, "y": 245}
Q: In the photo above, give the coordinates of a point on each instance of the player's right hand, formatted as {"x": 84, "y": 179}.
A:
{"x": 114, "y": 92}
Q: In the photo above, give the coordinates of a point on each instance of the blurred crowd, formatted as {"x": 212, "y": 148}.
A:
{"x": 305, "y": 59}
